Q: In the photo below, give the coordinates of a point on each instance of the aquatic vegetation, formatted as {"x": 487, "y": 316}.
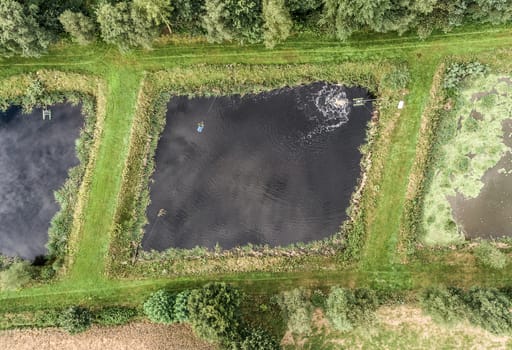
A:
{"x": 472, "y": 136}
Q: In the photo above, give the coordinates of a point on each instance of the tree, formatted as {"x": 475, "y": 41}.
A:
{"x": 157, "y": 11}
{"x": 303, "y": 6}
{"x": 20, "y": 34}
{"x": 491, "y": 11}
{"x": 233, "y": 19}
{"x": 159, "y": 307}
{"x": 214, "y": 312}
{"x": 345, "y": 17}
{"x": 125, "y": 25}
{"x": 187, "y": 15}
{"x": 245, "y": 19}
{"x": 444, "y": 16}
{"x": 76, "y": 319}
{"x": 277, "y": 22}
{"x": 16, "y": 276}
{"x": 81, "y": 28}
{"x": 214, "y": 21}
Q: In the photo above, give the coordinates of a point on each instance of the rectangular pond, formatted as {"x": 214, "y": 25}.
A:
{"x": 469, "y": 195}
{"x": 34, "y": 162}
{"x": 273, "y": 168}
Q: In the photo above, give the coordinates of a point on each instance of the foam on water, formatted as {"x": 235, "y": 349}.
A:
{"x": 329, "y": 109}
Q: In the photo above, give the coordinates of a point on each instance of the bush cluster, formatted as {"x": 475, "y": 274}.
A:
{"x": 214, "y": 313}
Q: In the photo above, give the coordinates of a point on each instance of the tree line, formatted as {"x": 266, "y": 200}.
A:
{"x": 28, "y": 27}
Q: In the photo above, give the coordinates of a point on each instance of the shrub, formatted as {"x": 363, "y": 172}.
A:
{"x": 396, "y": 79}
{"x": 258, "y": 339}
{"x": 457, "y": 72}
{"x": 33, "y": 95}
{"x": 489, "y": 309}
{"x": 490, "y": 256}
{"x": 443, "y": 305}
{"x": 346, "y": 309}
{"x": 113, "y": 316}
{"x": 318, "y": 298}
{"x": 159, "y": 307}
{"x": 297, "y": 310}
{"x": 336, "y": 307}
{"x": 46, "y": 273}
{"x": 363, "y": 306}
{"x": 214, "y": 312}
{"x": 76, "y": 319}
{"x": 47, "y": 318}
{"x": 16, "y": 276}
{"x": 181, "y": 313}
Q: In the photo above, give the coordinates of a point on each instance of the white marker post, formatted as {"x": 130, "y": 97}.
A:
{"x": 400, "y": 104}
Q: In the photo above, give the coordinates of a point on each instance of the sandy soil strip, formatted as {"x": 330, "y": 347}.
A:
{"x": 135, "y": 336}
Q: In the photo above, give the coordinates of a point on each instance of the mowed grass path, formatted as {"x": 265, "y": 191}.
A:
{"x": 93, "y": 240}
{"x": 86, "y": 282}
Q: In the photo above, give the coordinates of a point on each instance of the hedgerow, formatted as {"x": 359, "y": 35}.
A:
{"x": 484, "y": 307}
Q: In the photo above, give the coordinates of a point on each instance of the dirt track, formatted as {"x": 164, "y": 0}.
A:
{"x": 136, "y": 336}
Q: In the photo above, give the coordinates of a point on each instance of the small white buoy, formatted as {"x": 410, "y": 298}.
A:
{"x": 400, "y": 104}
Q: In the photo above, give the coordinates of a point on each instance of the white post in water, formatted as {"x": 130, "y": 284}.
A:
{"x": 47, "y": 113}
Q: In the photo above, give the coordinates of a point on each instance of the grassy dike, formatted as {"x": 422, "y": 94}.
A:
{"x": 91, "y": 242}
{"x": 85, "y": 281}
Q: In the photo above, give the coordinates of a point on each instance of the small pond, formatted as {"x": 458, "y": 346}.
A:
{"x": 35, "y": 158}
{"x": 273, "y": 168}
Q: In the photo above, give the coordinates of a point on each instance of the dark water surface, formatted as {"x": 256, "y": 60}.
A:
{"x": 274, "y": 168}
{"x": 489, "y": 215}
{"x": 36, "y": 155}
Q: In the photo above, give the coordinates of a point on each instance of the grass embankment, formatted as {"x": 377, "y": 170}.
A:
{"x": 92, "y": 238}
{"x": 86, "y": 282}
